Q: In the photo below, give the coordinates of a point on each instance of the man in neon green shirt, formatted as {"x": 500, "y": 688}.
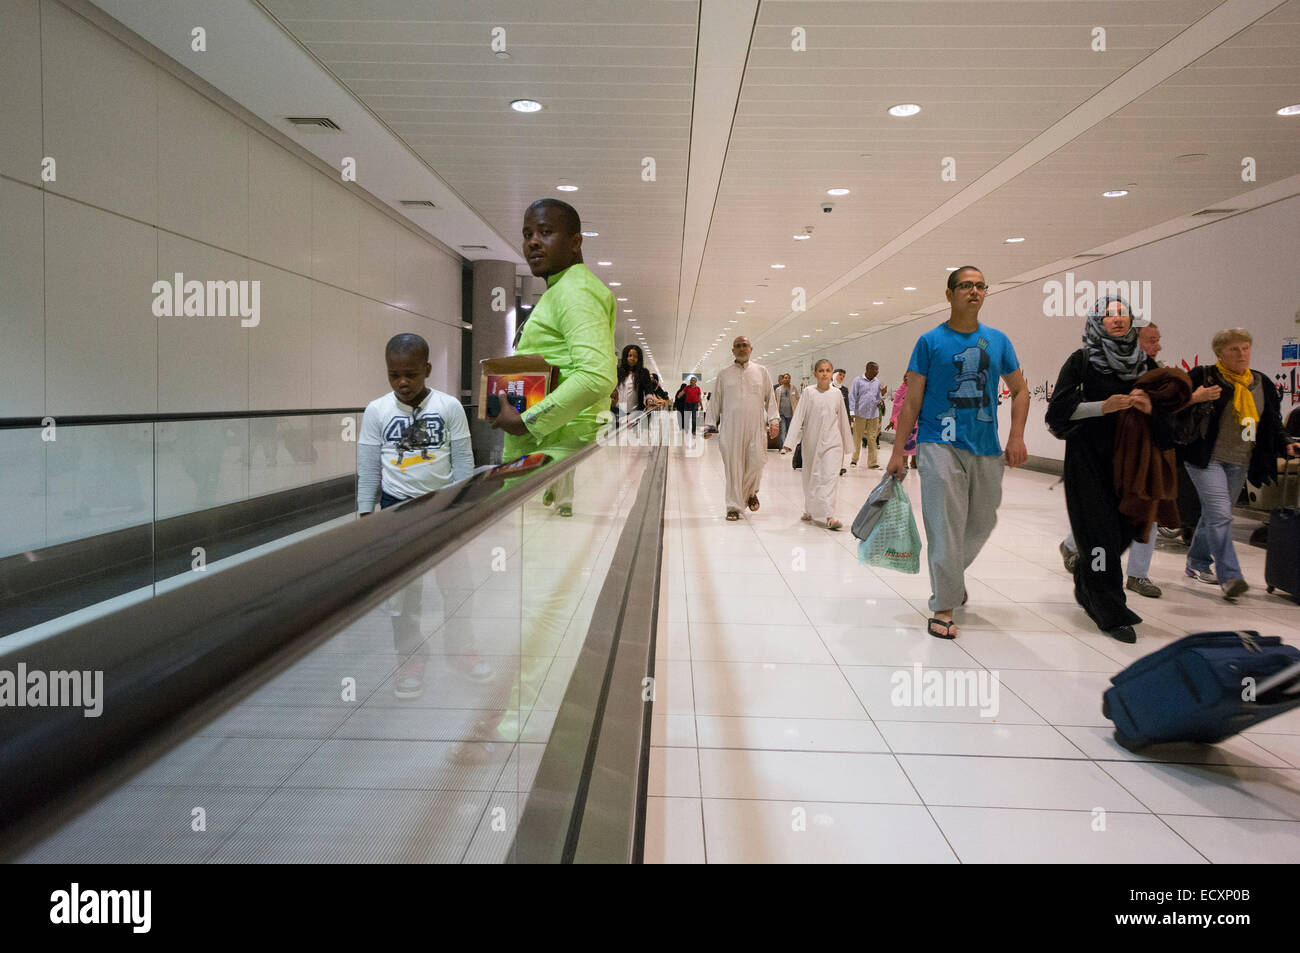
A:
{"x": 572, "y": 328}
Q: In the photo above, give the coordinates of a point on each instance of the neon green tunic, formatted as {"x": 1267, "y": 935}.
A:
{"x": 572, "y": 327}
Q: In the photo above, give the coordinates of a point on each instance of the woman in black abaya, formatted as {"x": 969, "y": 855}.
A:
{"x": 1096, "y": 382}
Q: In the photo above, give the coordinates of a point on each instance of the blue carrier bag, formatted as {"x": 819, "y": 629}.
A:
{"x": 1203, "y": 688}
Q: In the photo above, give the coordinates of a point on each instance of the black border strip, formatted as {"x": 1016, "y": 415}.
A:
{"x": 567, "y": 789}
{"x": 612, "y": 827}
{"x": 86, "y": 420}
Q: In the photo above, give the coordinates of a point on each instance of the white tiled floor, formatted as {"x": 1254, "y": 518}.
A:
{"x": 777, "y": 736}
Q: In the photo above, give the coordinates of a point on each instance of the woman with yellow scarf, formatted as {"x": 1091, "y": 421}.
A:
{"x": 1242, "y": 436}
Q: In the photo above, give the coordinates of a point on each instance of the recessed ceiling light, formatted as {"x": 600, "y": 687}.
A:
{"x": 620, "y": 299}
{"x": 749, "y": 301}
{"x": 616, "y": 284}
{"x": 525, "y": 105}
{"x": 604, "y": 263}
{"x": 627, "y": 310}
{"x": 637, "y": 326}
{"x": 852, "y": 314}
{"x": 590, "y": 234}
{"x": 566, "y": 188}
{"x": 1289, "y": 110}
{"x": 951, "y": 268}
{"x": 877, "y": 302}
{"x": 837, "y": 191}
{"x": 807, "y": 335}
{"x": 801, "y": 238}
{"x": 778, "y": 266}
{"x": 733, "y": 321}
{"x": 910, "y": 288}
{"x": 834, "y": 322}
{"x": 904, "y": 110}
{"x": 1115, "y": 193}
{"x": 1012, "y": 241}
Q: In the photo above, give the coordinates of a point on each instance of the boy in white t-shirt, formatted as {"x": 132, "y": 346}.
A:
{"x": 413, "y": 440}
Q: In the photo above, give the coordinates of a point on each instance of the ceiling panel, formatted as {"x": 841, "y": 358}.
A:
{"x": 995, "y": 77}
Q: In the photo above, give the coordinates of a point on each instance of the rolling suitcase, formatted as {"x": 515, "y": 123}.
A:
{"x": 1282, "y": 558}
{"x": 1203, "y": 688}
{"x": 797, "y": 461}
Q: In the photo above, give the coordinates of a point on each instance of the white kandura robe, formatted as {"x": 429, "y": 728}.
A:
{"x": 821, "y": 422}
{"x": 744, "y": 401}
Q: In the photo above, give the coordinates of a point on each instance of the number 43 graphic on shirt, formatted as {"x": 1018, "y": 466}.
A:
{"x": 433, "y": 423}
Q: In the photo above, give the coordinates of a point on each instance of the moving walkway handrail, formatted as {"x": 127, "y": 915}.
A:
{"x": 160, "y": 657}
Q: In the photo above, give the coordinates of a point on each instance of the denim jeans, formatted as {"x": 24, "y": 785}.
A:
{"x": 1139, "y": 554}
{"x": 1218, "y": 485}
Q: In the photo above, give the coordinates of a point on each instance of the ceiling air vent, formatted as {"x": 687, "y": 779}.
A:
{"x": 415, "y": 203}
{"x": 313, "y": 123}
{"x": 474, "y": 247}
{"x": 1215, "y": 211}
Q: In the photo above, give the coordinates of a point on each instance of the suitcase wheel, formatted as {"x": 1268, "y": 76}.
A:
{"x": 1127, "y": 743}
{"x": 1270, "y": 589}
{"x": 1105, "y": 707}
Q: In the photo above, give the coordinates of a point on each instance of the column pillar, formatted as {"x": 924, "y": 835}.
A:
{"x": 493, "y": 314}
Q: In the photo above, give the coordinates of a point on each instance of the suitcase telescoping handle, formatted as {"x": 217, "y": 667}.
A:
{"x": 1286, "y": 477}
{"x": 1288, "y": 674}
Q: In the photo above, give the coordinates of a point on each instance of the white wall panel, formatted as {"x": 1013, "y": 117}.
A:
{"x": 377, "y": 243}
{"x": 20, "y": 78}
{"x": 100, "y": 116}
{"x": 279, "y": 210}
{"x": 279, "y": 355}
{"x": 202, "y": 168}
{"x": 101, "y": 336}
{"x": 334, "y": 224}
{"x": 202, "y": 361}
{"x": 22, "y": 301}
{"x": 334, "y": 316}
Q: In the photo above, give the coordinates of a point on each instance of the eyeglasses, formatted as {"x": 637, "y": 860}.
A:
{"x": 968, "y": 285}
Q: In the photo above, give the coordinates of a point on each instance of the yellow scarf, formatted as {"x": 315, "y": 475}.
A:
{"x": 1243, "y": 401}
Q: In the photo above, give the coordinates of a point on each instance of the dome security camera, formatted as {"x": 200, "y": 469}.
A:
{"x": 828, "y": 207}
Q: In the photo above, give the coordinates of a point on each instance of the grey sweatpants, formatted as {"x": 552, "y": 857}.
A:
{"x": 960, "y": 495}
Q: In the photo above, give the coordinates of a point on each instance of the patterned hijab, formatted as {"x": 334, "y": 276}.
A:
{"x": 1118, "y": 356}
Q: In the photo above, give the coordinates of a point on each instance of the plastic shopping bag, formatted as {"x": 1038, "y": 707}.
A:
{"x": 871, "y": 510}
{"x": 894, "y": 543}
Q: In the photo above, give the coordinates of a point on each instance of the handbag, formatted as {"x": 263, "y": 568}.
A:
{"x": 1192, "y": 423}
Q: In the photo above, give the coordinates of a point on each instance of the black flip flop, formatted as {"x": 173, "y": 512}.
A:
{"x": 947, "y": 628}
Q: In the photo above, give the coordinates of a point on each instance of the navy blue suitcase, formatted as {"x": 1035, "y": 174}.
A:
{"x": 1196, "y": 689}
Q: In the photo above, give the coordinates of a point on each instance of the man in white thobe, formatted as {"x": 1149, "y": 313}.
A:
{"x": 743, "y": 399}
{"x": 822, "y": 423}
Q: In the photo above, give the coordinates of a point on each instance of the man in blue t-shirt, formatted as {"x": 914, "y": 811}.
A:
{"x": 952, "y": 396}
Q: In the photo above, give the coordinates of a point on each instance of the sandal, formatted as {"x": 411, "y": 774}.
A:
{"x": 753, "y": 503}
{"x": 834, "y": 524}
{"x": 565, "y": 509}
{"x": 947, "y": 632}
{"x": 806, "y": 518}
{"x": 732, "y": 515}
{"x": 548, "y": 498}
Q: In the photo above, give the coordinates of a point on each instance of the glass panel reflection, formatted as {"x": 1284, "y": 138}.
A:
{"x": 414, "y": 733}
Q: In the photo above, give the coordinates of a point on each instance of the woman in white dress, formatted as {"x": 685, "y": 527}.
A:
{"x": 822, "y": 424}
